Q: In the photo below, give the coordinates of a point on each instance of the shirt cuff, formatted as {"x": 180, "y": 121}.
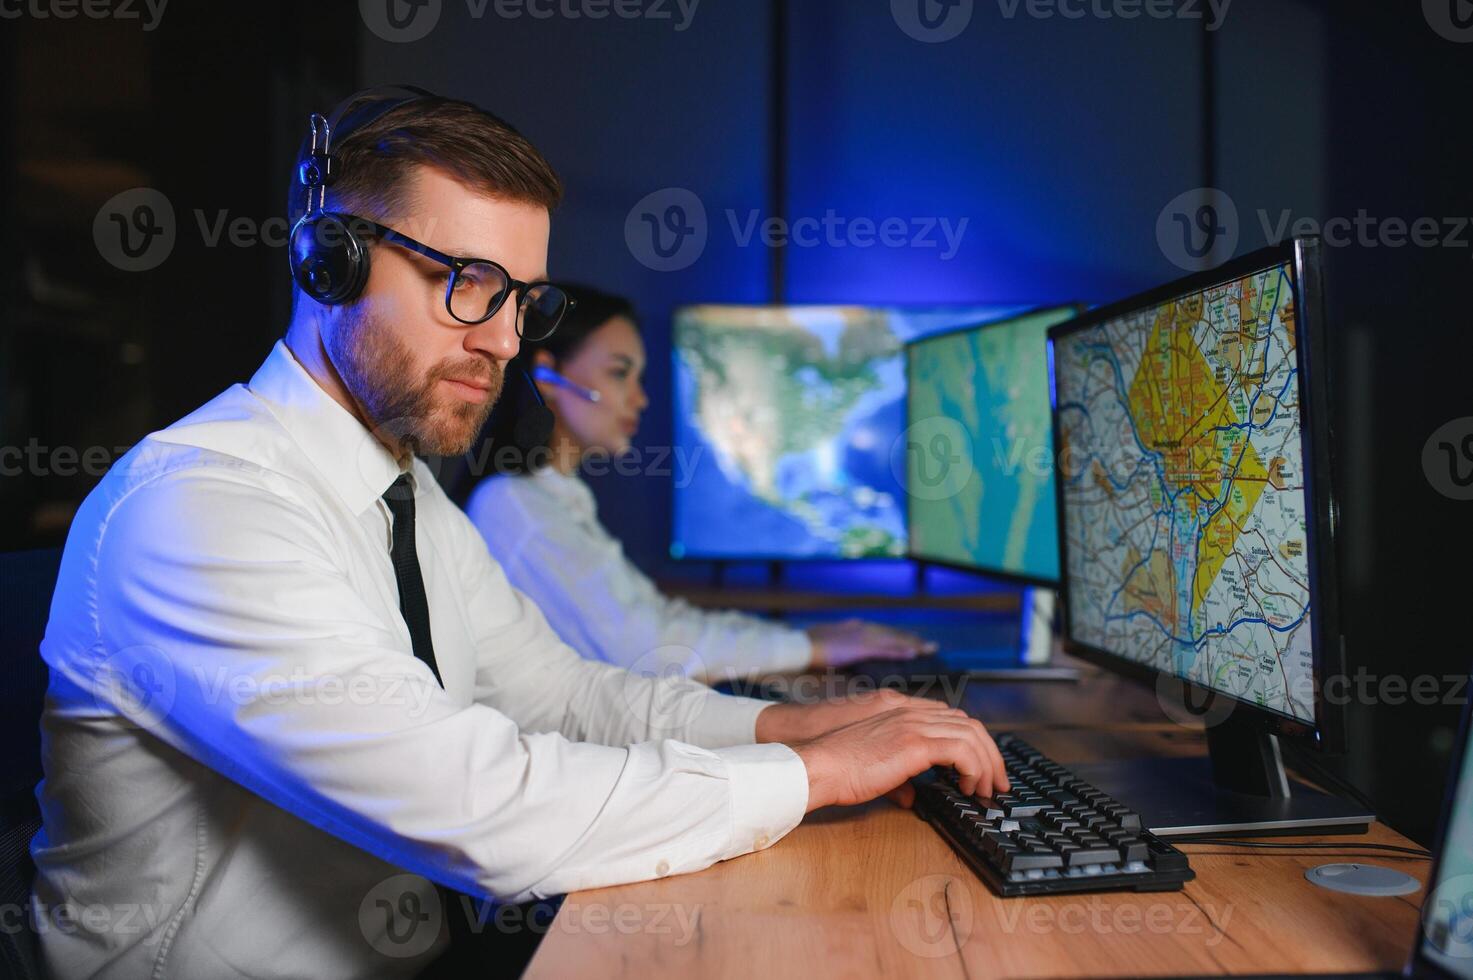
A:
{"x": 792, "y": 651}
{"x": 769, "y": 794}
{"x": 726, "y": 720}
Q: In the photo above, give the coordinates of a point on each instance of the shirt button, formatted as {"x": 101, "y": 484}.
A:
{"x": 761, "y": 842}
{"x": 662, "y": 869}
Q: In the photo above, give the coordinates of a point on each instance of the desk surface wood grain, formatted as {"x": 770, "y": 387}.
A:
{"x": 874, "y": 891}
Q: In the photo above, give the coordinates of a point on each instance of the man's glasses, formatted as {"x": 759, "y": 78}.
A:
{"x": 478, "y": 287}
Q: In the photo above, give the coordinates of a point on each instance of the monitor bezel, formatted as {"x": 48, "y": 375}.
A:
{"x": 1303, "y": 256}
{"x": 1001, "y": 574}
{"x": 769, "y": 558}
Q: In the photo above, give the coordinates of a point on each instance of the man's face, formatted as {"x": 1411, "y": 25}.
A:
{"x": 422, "y": 378}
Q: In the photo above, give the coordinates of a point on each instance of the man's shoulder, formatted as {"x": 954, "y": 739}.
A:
{"x": 232, "y": 441}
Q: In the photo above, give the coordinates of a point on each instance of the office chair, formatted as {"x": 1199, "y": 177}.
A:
{"x": 27, "y": 579}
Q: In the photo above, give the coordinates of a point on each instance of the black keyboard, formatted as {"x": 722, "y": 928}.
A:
{"x": 1052, "y": 832}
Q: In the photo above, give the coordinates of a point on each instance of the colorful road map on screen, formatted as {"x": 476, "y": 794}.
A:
{"x": 1182, "y": 481}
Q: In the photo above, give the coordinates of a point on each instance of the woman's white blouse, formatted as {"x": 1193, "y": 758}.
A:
{"x": 544, "y": 531}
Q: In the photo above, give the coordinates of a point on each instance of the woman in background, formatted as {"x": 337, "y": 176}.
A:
{"x": 539, "y": 521}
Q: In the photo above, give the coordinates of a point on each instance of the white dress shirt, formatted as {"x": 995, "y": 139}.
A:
{"x": 247, "y": 769}
{"x": 543, "y": 530}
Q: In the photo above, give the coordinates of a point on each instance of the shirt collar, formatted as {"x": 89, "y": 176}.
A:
{"x": 350, "y": 458}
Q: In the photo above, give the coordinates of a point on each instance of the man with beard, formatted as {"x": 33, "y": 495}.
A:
{"x": 296, "y": 712}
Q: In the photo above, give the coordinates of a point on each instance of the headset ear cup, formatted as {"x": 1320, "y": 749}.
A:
{"x": 329, "y": 262}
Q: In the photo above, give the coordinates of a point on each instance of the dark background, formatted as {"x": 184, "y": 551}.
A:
{"x": 1059, "y": 140}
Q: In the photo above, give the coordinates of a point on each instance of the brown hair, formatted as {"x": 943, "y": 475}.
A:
{"x": 375, "y": 163}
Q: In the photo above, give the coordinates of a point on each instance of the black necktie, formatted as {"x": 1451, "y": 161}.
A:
{"x": 412, "y": 602}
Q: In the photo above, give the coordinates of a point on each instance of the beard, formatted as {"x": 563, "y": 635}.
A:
{"x": 402, "y": 406}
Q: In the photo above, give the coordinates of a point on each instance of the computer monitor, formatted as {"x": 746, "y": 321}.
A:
{"x": 979, "y": 449}
{"x": 784, "y": 420}
{"x": 1195, "y": 528}
{"x": 1445, "y": 943}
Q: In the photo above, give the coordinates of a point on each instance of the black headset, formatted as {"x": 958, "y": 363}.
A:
{"x": 328, "y": 256}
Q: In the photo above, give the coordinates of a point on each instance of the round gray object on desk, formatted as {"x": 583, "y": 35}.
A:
{"x": 1363, "y": 879}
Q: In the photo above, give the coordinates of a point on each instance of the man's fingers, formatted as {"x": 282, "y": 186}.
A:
{"x": 1003, "y": 783}
{"x": 902, "y": 795}
{"x": 985, "y": 762}
{"x": 960, "y": 740}
{"x": 972, "y": 769}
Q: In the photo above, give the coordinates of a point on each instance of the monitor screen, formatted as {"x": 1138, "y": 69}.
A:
{"x": 1447, "y": 914}
{"x": 1182, "y": 488}
{"x": 785, "y": 417}
{"x": 979, "y": 450}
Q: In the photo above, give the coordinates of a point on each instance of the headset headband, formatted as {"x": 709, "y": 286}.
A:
{"x": 317, "y": 167}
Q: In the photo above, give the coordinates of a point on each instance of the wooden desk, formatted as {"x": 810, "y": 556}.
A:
{"x": 874, "y": 891}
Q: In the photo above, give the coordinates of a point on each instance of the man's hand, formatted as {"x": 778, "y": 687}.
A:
{"x": 799, "y": 722}
{"x": 876, "y": 756}
{"x": 841, "y": 644}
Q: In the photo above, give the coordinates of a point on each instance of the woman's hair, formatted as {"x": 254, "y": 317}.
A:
{"x": 512, "y": 441}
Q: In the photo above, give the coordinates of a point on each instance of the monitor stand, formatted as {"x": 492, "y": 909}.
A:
{"x": 1241, "y": 788}
{"x": 1031, "y": 658}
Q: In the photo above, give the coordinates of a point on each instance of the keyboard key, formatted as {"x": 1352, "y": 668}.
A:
{"x": 1023, "y": 809}
{"x": 1135, "y": 850}
{"x": 1030, "y": 860}
{"x": 1092, "y": 855}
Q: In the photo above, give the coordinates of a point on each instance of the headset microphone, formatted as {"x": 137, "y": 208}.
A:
{"x": 549, "y": 376}
{"x": 534, "y": 427}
